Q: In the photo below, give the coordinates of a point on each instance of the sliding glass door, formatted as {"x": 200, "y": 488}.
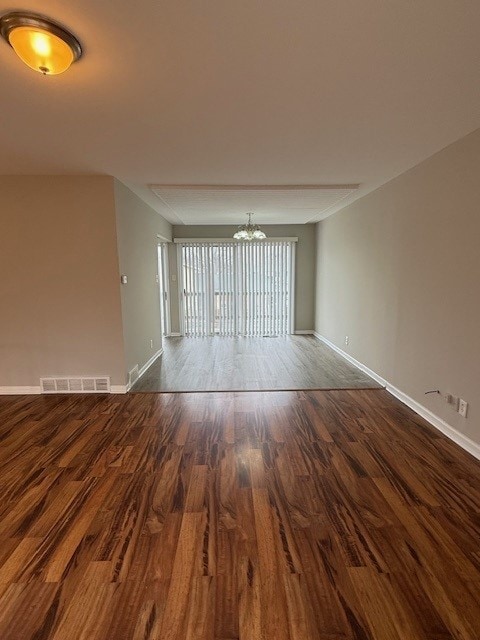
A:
{"x": 162, "y": 279}
{"x": 234, "y": 288}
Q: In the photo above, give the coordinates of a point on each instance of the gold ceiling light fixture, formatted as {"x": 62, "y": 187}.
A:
{"x": 249, "y": 231}
{"x": 43, "y": 45}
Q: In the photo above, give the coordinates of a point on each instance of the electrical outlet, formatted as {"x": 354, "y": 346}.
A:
{"x": 462, "y": 408}
{"x": 151, "y": 344}
{"x": 347, "y": 340}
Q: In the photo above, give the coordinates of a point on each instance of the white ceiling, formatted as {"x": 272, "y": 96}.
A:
{"x": 271, "y": 205}
{"x": 274, "y": 92}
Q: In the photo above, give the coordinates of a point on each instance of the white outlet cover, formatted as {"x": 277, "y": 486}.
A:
{"x": 463, "y": 408}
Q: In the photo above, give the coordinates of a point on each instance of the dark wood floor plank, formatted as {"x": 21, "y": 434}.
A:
{"x": 305, "y": 515}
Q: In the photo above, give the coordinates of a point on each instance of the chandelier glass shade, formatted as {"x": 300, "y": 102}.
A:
{"x": 249, "y": 231}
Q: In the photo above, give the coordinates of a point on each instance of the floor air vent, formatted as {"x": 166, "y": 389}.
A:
{"x": 133, "y": 375}
{"x": 75, "y": 385}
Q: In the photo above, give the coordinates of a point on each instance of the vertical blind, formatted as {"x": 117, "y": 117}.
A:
{"x": 237, "y": 288}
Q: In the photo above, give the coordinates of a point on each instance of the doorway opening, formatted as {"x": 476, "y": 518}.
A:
{"x": 164, "y": 294}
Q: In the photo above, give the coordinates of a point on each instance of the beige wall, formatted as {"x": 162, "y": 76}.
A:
{"x": 59, "y": 293}
{"x": 398, "y": 272}
{"x": 304, "y": 272}
{"x": 138, "y": 228}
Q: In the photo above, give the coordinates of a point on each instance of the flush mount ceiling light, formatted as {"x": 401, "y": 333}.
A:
{"x": 249, "y": 231}
{"x": 41, "y": 44}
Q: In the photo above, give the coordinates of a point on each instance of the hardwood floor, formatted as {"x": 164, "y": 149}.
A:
{"x": 284, "y": 515}
{"x": 250, "y": 364}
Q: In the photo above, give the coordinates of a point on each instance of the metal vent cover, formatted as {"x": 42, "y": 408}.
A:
{"x": 133, "y": 375}
{"x": 91, "y": 384}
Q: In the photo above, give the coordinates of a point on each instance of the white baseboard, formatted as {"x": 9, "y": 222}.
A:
{"x": 453, "y": 434}
{"x": 356, "y": 363}
{"x": 174, "y": 334}
{"x": 143, "y": 369}
{"x": 25, "y": 391}
{"x": 463, "y": 441}
{"x": 149, "y": 363}
{"x": 304, "y": 332}
{"x": 114, "y": 388}
{"x": 19, "y": 391}
{"x": 118, "y": 388}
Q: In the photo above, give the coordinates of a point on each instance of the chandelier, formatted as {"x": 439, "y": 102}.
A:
{"x": 249, "y": 231}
